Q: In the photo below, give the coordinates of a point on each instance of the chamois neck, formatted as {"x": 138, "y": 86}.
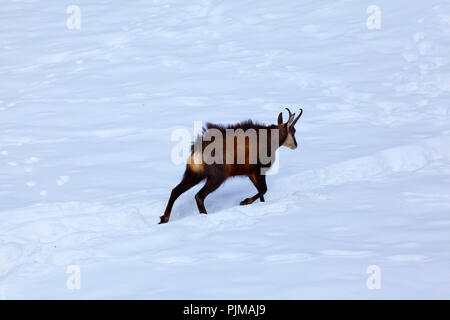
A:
{"x": 282, "y": 134}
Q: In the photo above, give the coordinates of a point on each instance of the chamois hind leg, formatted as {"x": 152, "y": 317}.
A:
{"x": 189, "y": 180}
{"x": 212, "y": 183}
{"x": 260, "y": 183}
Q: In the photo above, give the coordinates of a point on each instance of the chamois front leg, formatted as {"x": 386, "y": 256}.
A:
{"x": 260, "y": 183}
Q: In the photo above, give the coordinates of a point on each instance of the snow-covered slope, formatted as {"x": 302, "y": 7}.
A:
{"x": 85, "y": 148}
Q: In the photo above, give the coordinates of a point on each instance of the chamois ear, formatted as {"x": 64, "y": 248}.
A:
{"x": 280, "y": 118}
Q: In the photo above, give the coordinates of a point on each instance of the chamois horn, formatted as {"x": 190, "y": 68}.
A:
{"x": 298, "y": 117}
{"x": 291, "y": 116}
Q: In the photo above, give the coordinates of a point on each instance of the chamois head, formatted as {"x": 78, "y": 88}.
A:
{"x": 287, "y": 130}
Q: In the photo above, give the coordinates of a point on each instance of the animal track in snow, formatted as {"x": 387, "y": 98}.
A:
{"x": 175, "y": 260}
{"x": 31, "y": 160}
{"x": 232, "y": 256}
{"x": 407, "y": 258}
{"x": 344, "y": 253}
{"x": 289, "y": 257}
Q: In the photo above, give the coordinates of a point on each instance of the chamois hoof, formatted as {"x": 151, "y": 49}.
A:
{"x": 245, "y": 202}
{"x": 164, "y": 219}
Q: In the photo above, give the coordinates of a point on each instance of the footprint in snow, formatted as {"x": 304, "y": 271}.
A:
{"x": 31, "y": 160}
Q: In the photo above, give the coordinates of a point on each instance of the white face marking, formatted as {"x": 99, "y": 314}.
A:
{"x": 289, "y": 142}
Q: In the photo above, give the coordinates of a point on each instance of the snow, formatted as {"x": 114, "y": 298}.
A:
{"x": 85, "y": 149}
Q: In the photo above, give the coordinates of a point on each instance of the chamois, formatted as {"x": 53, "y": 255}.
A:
{"x": 223, "y": 160}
